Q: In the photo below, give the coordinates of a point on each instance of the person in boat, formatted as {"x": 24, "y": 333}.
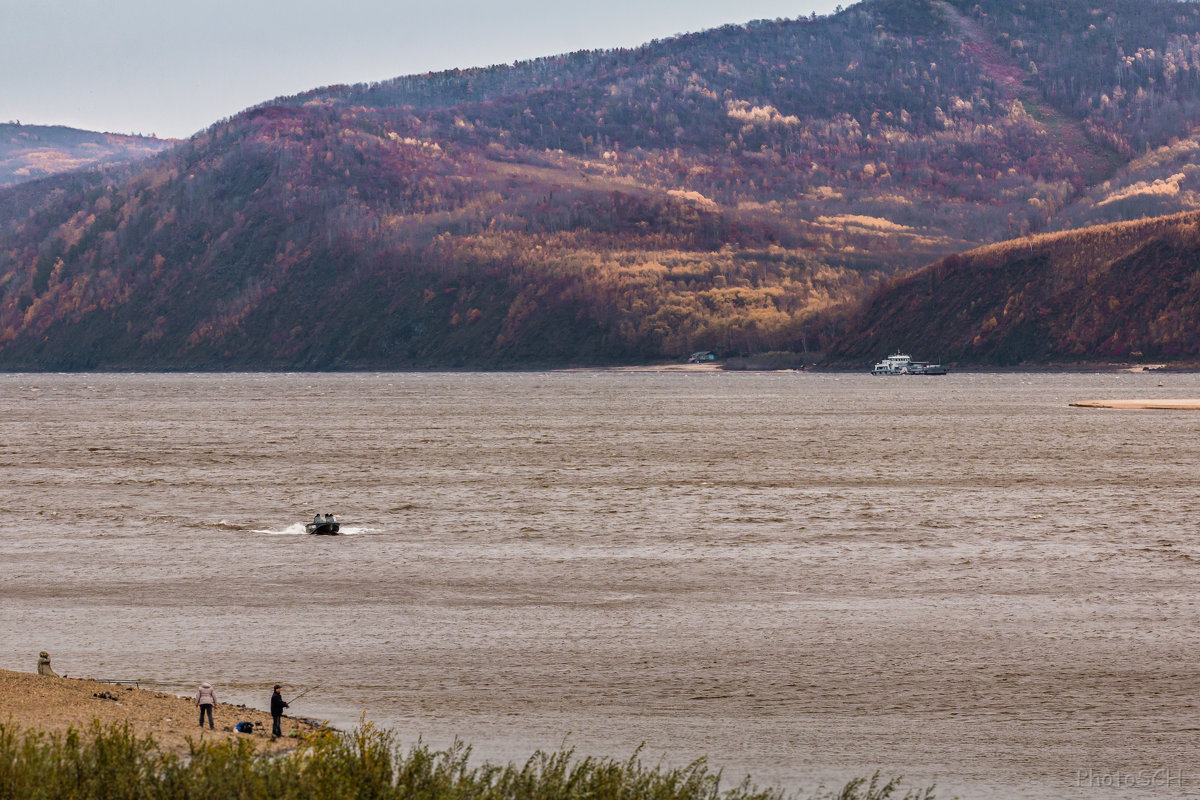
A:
{"x": 317, "y": 519}
{"x": 330, "y": 518}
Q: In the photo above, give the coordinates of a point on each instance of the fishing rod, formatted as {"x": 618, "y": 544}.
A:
{"x": 306, "y": 691}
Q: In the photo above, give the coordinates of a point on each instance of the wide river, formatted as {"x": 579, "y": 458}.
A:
{"x": 801, "y": 577}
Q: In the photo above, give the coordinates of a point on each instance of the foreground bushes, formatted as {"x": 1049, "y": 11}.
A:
{"x": 114, "y": 764}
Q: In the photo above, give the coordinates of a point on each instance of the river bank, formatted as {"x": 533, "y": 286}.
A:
{"x": 53, "y": 705}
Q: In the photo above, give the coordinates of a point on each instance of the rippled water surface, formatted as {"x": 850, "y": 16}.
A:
{"x": 802, "y": 577}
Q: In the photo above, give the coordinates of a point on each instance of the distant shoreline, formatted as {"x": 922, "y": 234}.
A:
{"x": 706, "y": 368}
{"x": 663, "y": 366}
{"x": 1081, "y": 369}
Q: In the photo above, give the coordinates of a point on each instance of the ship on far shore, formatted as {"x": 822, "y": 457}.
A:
{"x": 902, "y": 364}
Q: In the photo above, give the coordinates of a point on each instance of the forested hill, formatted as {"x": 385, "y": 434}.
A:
{"x": 739, "y": 189}
{"x": 29, "y": 152}
{"x": 1120, "y": 292}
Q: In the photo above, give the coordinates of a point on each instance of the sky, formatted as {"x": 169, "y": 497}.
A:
{"x": 172, "y": 67}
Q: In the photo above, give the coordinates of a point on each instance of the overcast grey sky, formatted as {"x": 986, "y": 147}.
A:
{"x": 171, "y": 67}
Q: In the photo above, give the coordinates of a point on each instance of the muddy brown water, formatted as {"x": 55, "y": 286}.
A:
{"x": 801, "y": 577}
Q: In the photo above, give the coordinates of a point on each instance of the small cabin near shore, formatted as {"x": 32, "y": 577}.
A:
{"x": 702, "y": 356}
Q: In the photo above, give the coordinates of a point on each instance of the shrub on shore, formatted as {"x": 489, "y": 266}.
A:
{"x": 114, "y": 763}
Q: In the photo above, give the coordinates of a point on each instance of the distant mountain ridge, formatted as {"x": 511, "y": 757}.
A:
{"x": 741, "y": 189}
{"x": 29, "y": 152}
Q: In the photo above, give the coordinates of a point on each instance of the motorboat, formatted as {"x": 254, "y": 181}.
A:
{"x": 323, "y": 526}
{"x": 903, "y": 364}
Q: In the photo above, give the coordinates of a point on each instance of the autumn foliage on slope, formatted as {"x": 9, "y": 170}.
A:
{"x": 29, "y": 152}
{"x": 289, "y": 239}
{"x": 736, "y": 190}
{"x": 1121, "y": 292}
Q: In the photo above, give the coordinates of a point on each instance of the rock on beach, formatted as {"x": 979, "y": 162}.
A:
{"x": 53, "y": 705}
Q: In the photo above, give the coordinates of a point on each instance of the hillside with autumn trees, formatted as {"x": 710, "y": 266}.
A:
{"x": 745, "y": 189}
{"x": 1124, "y": 292}
{"x": 30, "y": 152}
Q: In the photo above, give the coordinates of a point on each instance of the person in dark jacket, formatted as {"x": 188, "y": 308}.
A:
{"x": 277, "y": 707}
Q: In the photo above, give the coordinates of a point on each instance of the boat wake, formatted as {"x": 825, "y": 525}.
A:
{"x": 298, "y": 529}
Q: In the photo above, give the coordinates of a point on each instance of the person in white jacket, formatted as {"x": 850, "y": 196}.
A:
{"x": 206, "y": 698}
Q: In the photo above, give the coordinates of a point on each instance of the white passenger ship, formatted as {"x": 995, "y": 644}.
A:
{"x": 902, "y": 364}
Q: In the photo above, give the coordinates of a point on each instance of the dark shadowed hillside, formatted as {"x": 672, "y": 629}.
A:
{"x": 740, "y": 189}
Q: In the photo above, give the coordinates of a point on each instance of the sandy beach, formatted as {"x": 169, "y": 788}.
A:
{"x": 36, "y": 702}
{"x": 1156, "y": 405}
